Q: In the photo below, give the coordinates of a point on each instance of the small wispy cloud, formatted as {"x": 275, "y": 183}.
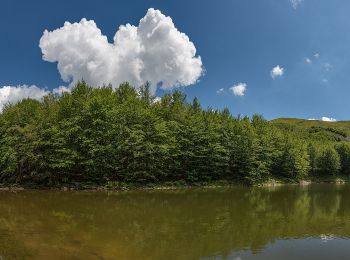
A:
{"x": 277, "y": 72}
{"x": 239, "y": 89}
{"x": 320, "y": 65}
{"x": 327, "y": 66}
{"x": 312, "y": 58}
{"x": 219, "y": 91}
{"x": 295, "y": 3}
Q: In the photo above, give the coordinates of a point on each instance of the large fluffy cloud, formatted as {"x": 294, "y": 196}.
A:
{"x": 153, "y": 51}
{"x": 13, "y": 94}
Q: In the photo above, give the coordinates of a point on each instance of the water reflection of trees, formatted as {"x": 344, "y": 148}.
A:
{"x": 173, "y": 224}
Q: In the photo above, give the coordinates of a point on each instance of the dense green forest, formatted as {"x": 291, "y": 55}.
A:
{"x": 121, "y": 136}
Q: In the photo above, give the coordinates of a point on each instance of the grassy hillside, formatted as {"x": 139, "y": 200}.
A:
{"x": 335, "y": 131}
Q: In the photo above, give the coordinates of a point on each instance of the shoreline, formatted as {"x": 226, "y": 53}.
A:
{"x": 175, "y": 185}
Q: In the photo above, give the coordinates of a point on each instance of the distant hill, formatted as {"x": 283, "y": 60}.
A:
{"x": 317, "y": 129}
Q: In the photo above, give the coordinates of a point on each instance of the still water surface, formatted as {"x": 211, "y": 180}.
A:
{"x": 289, "y": 222}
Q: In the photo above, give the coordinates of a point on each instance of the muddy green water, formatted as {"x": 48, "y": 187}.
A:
{"x": 288, "y": 222}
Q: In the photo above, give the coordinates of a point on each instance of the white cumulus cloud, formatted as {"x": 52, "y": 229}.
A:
{"x": 13, "y": 94}
{"x": 328, "y": 119}
{"x": 239, "y": 89}
{"x": 325, "y": 119}
{"x": 277, "y": 72}
{"x": 153, "y": 51}
{"x": 61, "y": 89}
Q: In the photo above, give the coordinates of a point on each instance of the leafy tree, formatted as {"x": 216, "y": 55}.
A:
{"x": 343, "y": 150}
{"x": 313, "y": 154}
{"x": 328, "y": 162}
{"x": 294, "y": 160}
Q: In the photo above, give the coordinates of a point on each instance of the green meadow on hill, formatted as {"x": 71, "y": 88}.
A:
{"x": 317, "y": 129}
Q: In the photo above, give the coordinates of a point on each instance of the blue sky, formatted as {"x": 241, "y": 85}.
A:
{"x": 239, "y": 41}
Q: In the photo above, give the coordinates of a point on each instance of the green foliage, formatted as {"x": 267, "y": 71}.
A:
{"x": 328, "y": 162}
{"x": 313, "y": 155}
{"x": 105, "y": 135}
{"x": 294, "y": 161}
{"x": 343, "y": 150}
{"x": 316, "y": 130}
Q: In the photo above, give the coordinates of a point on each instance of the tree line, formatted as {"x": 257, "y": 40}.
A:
{"x": 124, "y": 135}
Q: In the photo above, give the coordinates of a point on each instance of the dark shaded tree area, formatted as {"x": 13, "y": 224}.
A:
{"x": 101, "y": 135}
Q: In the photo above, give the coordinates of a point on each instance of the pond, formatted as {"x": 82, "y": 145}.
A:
{"x": 240, "y": 223}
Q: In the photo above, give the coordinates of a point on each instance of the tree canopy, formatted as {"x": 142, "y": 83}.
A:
{"x": 101, "y": 135}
